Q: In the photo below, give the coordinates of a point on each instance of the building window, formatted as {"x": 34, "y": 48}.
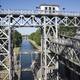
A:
{"x": 53, "y": 10}
{"x": 49, "y": 9}
{"x": 46, "y": 9}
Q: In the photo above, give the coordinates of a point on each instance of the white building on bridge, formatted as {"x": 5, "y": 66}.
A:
{"x": 49, "y": 8}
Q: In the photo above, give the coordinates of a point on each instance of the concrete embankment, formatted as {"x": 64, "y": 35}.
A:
{"x": 36, "y": 69}
{"x": 17, "y": 63}
{"x": 16, "y": 51}
{"x": 38, "y": 48}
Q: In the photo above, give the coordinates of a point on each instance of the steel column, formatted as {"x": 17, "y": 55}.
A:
{"x": 45, "y": 46}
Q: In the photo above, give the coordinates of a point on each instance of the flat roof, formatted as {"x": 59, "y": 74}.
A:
{"x": 49, "y": 5}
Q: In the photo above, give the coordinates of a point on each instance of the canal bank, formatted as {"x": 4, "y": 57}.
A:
{"x": 37, "y": 47}
{"x": 17, "y": 65}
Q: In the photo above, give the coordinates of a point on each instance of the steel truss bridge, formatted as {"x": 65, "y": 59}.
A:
{"x": 55, "y": 48}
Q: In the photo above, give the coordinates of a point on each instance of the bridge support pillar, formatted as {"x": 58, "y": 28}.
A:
{"x": 6, "y": 54}
{"x": 49, "y": 59}
{"x": 10, "y": 55}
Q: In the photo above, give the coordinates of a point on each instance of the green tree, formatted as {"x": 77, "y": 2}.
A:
{"x": 36, "y": 36}
{"x": 17, "y": 39}
{"x": 67, "y": 31}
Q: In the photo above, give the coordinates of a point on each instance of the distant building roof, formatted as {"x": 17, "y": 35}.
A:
{"x": 49, "y": 5}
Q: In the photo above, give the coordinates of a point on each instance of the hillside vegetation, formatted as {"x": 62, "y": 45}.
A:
{"x": 17, "y": 39}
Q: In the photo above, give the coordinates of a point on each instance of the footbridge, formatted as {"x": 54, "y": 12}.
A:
{"x": 55, "y": 48}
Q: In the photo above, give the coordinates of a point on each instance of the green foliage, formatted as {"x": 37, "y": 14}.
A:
{"x": 67, "y": 31}
{"x": 36, "y": 36}
{"x": 17, "y": 39}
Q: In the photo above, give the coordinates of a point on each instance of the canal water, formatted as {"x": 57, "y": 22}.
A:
{"x": 26, "y": 60}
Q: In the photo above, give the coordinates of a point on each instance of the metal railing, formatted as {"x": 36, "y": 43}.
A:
{"x": 18, "y": 11}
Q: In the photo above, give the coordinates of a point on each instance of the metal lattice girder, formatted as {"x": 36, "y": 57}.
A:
{"x": 69, "y": 21}
{"x": 69, "y": 54}
{"x": 52, "y": 45}
{"x": 21, "y": 20}
{"x": 32, "y": 18}
{"x": 5, "y": 54}
{"x": 50, "y": 60}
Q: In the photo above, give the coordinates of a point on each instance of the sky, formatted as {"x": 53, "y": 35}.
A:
{"x": 69, "y": 5}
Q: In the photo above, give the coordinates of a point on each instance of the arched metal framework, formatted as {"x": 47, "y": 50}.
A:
{"x": 55, "y": 48}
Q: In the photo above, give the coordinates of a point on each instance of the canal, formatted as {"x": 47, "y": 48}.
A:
{"x": 26, "y": 60}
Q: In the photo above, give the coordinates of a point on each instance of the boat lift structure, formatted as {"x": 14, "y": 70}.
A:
{"x": 55, "y": 48}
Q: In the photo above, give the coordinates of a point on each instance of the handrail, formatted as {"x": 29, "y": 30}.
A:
{"x": 18, "y": 11}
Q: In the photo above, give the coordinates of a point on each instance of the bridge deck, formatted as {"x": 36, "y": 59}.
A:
{"x": 38, "y": 12}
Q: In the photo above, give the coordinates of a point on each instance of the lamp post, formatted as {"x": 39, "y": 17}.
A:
{"x": 63, "y": 9}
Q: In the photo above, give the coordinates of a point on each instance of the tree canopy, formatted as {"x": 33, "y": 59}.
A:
{"x": 67, "y": 31}
{"x": 17, "y": 38}
{"x": 36, "y": 36}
